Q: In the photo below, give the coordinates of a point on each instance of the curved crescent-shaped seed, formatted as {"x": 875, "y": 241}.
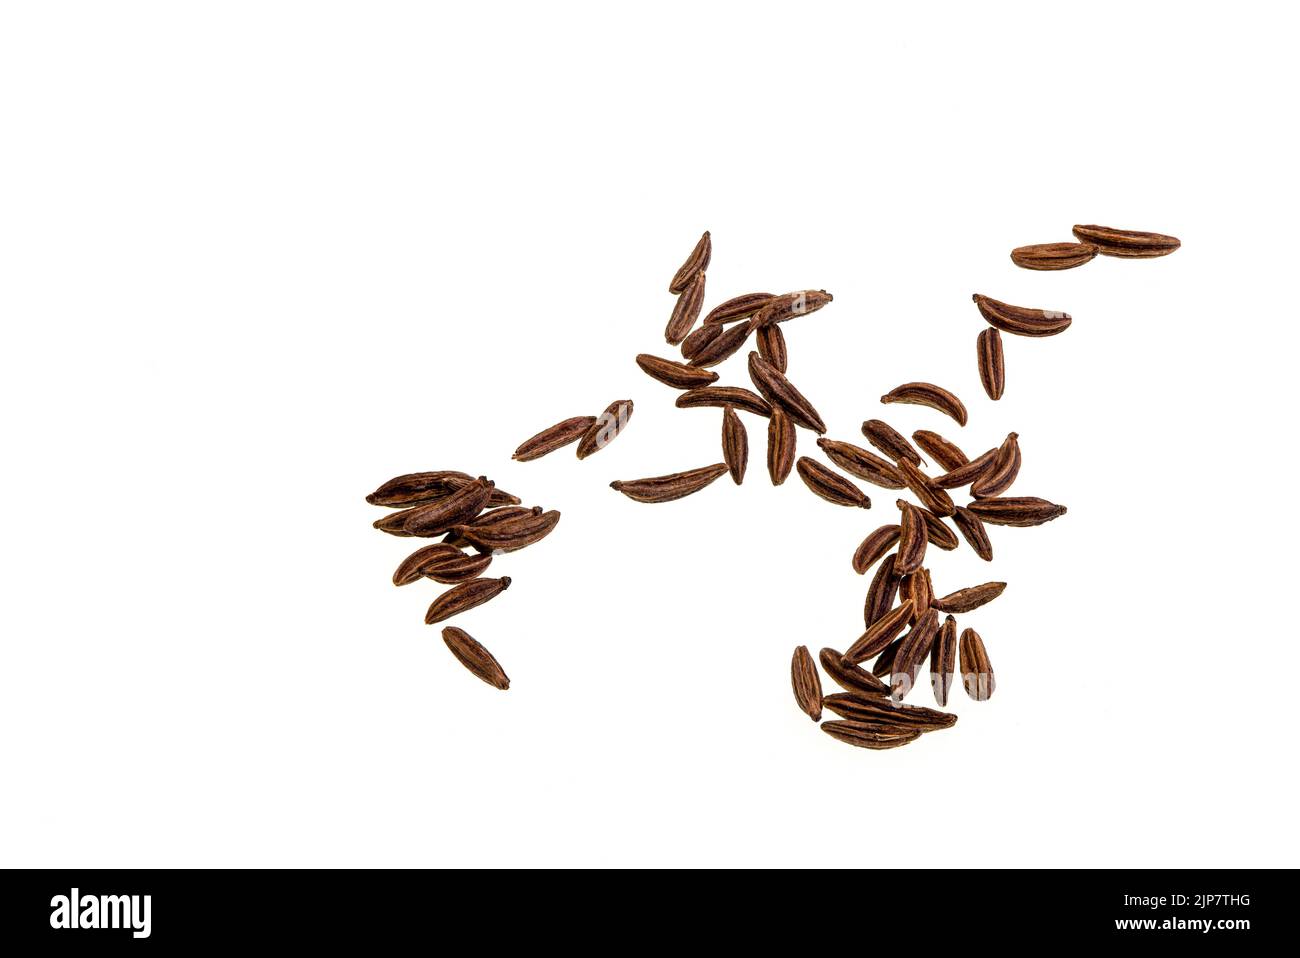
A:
{"x": 851, "y": 678}
{"x": 976, "y": 669}
{"x": 971, "y": 598}
{"x": 438, "y": 517}
{"x": 464, "y": 597}
{"x": 992, "y": 364}
{"x": 931, "y": 495}
{"x": 1053, "y": 255}
{"x": 928, "y": 394}
{"x": 973, "y": 531}
{"x": 771, "y": 346}
{"x": 778, "y": 390}
{"x": 781, "y": 440}
{"x": 965, "y": 475}
{"x": 882, "y": 632}
{"x": 882, "y": 591}
{"x": 735, "y": 444}
{"x": 553, "y": 438}
{"x": 874, "y": 548}
{"x": 890, "y": 441}
{"x": 742, "y": 399}
{"x": 436, "y": 561}
{"x": 667, "y": 488}
{"x": 1002, "y": 471}
{"x": 830, "y": 485}
{"x": 912, "y": 538}
{"x": 695, "y": 264}
{"x": 418, "y": 488}
{"x": 685, "y": 311}
{"x": 943, "y": 660}
{"x": 1016, "y": 511}
{"x": 789, "y": 305}
{"x": 865, "y": 465}
{"x": 1020, "y": 320}
{"x": 738, "y": 307}
{"x": 677, "y": 375}
{"x": 474, "y": 657}
{"x": 912, "y": 651}
{"x": 947, "y": 454}
{"x": 807, "y": 686}
{"x": 1131, "y": 244}
{"x": 512, "y": 534}
{"x": 721, "y": 347}
{"x": 872, "y": 709}
{"x": 606, "y": 428}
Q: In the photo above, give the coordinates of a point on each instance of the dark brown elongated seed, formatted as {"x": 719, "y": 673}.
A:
{"x": 779, "y": 391}
{"x": 947, "y": 454}
{"x": 738, "y": 307}
{"x": 992, "y": 364}
{"x": 867, "y": 708}
{"x": 685, "y": 311}
{"x": 781, "y": 441}
{"x": 742, "y": 399}
{"x": 1002, "y": 471}
{"x": 499, "y": 497}
{"x": 912, "y": 538}
{"x": 928, "y": 394}
{"x": 884, "y": 663}
{"x": 721, "y": 347}
{"x": 460, "y": 570}
{"x": 877, "y": 638}
{"x": 394, "y": 523}
{"x": 943, "y": 660}
{"x": 511, "y": 534}
{"x": 938, "y": 534}
{"x": 789, "y": 305}
{"x": 735, "y": 444}
{"x": 437, "y": 562}
{"x": 973, "y": 531}
{"x": 417, "y": 488}
{"x": 1016, "y": 511}
{"x": 606, "y": 428}
{"x": 965, "y": 475}
{"x": 882, "y": 591}
{"x": 890, "y": 441}
{"x": 926, "y": 489}
{"x": 474, "y": 657}
{"x": 912, "y": 651}
{"x": 917, "y": 589}
{"x": 971, "y": 598}
{"x": 438, "y": 517}
{"x": 1021, "y": 320}
{"x": 553, "y": 438}
{"x": 865, "y": 465}
{"x": 976, "y": 669}
{"x": 771, "y": 346}
{"x": 874, "y": 548}
{"x": 677, "y": 375}
{"x": 807, "y": 685}
{"x": 851, "y": 678}
{"x": 667, "y": 488}
{"x": 868, "y": 735}
{"x": 695, "y": 264}
{"x": 700, "y": 337}
{"x": 463, "y": 597}
{"x": 830, "y": 485}
{"x": 490, "y": 518}
{"x": 1131, "y": 244}
{"x": 1053, "y": 255}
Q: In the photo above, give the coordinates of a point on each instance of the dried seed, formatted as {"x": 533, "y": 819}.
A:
{"x": 865, "y": 708}
{"x": 1130, "y": 244}
{"x": 699, "y": 338}
{"x": 851, "y": 678}
{"x": 882, "y": 591}
{"x": 973, "y": 531}
{"x": 947, "y": 454}
{"x": 830, "y": 485}
{"x": 874, "y": 548}
{"x": 992, "y": 365}
{"x": 877, "y": 638}
{"x": 722, "y": 346}
{"x": 735, "y": 444}
{"x": 969, "y": 599}
{"x": 927, "y": 490}
{"x": 695, "y": 264}
{"x": 779, "y": 391}
{"x": 418, "y": 488}
{"x": 464, "y": 597}
{"x": 928, "y": 394}
{"x": 976, "y": 669}
{"x": 677, "y": 375}
{"x": 807, "y": 686}
{"x": 394, "y": 523}
{"x": 781, "y": 441}
{"x": 917, "y": 589}
{"x": 670, "y": 487}
{"x": 1053, "y": 255}
{"x": 912, "y": 650}
{"x": 1021, "y": 320}
{"x": 1016, "y": 511}
{"x": 510, "y": 535}
{"x": 606, "y": 428}
{"x": 742, "y": 399}
{"x": 868, "y": 735}
{"x": 912, "y": 538}
{"x": 1002, "y": 471}
{"x": 474, "y": 657}
{"x": 938, "y": 534}
{"x": 890, "y": 441}
{"x": 441, "y": 562}
{"x": 499, "y": 497}
{"x": 489, "y": 518}
{"x": 943, "y": 660}
{"x": 738, "y": 307}
{"x": 438, "y": 517}
{"x": 789, "y": 305}
{"x": 965, "y": 475}
{"x": 865, "y": 465}
{"x": 685, "y": 311}
{"x": 771, "y": 346}
{"x": 553, "y": 438}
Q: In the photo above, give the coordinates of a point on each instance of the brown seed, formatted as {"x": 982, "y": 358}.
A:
{"x": 868, "y": 735}
{"x": 912, "y": 651}
{"x": 1130, "y": 244}
{"x": 553, "y": 438}
{"x": 928, "y": 394}
{"x": 417, "y": 488}
{"x": 1002, "y": 471}
{"x": 927, "y": 490}
{"x": 738, "y": 307}
{"x": 394, "y": 522}
{"x": 867, "y": 708}
{"x": 1016, "y": 511}
{"x": 677, "y": 375}
{"x": 779, "y": 391}
{"x": 700, "y": 337}
{"x": 735, "y": 444}
{"x": 667, "y": 488}
{"x": 490, "y": 518}
{"x": 442, "y": 563}
{"x": 1019, "y": 320}
{"x": 912, "y": 538}
{"x": 781, "y": 441}
{"x": 1053, "y": 255}
{"x": 499, "y": 497}
{"x": 851, "y": 678}
{"x": 771, "y": 346}
{"x": 789, "y": 305}
{"x": 882, "y": 591}
{"x": 685, "y": 311}
{"x": 965, "y": 475}
{"x": 947, "y": 454}
{"x": 510, "y": 535}
{"x": 877, "y": 638}
{"x": 606, "y": 428}
{"x": 742, "y": 399}
{"x": 943, "y": 660}
{"x": 884, "y": 663}
{"x": 807, "y": 686}
{"x": 992, "y": 365}
{"x": 865, "y": 465}
{"x": 973, "y": 532}
{"x": 721, "y": 347}
{"x": 976, "y": 669}
{"x": 830, "y": 485}
{"x": 969, "y": 599}
{"x": 464, "y": 597}
{"x": 474, "y": 657}
{"x": 874, "y": 548}
{"x": 438, "y": 517}
{"x": 695, "y": 264}
{"x": 917, "y": 589}
{"x": 890, "y": 441}
{"x": 937, "y": 533}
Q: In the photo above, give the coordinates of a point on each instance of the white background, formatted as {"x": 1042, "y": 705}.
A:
{"x": 256, "y": 258}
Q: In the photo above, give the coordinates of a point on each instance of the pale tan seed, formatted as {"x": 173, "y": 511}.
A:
{"x": 1051, "y": 256}
{"x": 474, "y": 657}
{"x": 976, "y": 669}
{"x": 464, "y": 597}
{"x": 807, "y": 685}
{"x": 677, "y": 375}
{"x": 1021, "y": 320}
{"x": 943, "y": 660}
{"x": 742, "y": 399}
{"x": 830, "y": 485}
{"x": 865, "y": 465}
{"x": 695, "y": 264}
{"x": 928, "y": 394}
{"x": 874, "y": 548}
{"x": 947, "y": 454}
{"x": 553, "y": 438}
{"x": 677, "y": 485}
{"x": 971, "y": 598}
{"x": 1002, "y": 471}
{"x": 1131, "y": 244}
{"x": 890, "y": 441}
{"x": 607, "y": 427}
{"x": 992, "y": 364}
{"x": 735, "y": 444}
{"x": 685, "y": 311}
{"x": 781, "y": 440}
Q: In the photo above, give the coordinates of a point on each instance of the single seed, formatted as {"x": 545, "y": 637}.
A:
{"x": 912, "y": 538}
{"x": 867, "y": 708}
{"x": 464, "y": 597}
{"x": 851, "y": 678}
{"x": 878, "y": 637}
{"x": 874, "y": 548}
{"x": 789, "y": 305}
{"x": 912, "y": 651}
{"x": 1053, "y": 255}
{"x": 1020, "y": 320}
{"x": 927, "y": 490}
{"x": 779, "y": 391}
{"x": 512, "y": 534}
{"x": 677, "y": 375}
{"x": 1016, "y": 511}
{"x": 438, "y": 517}
{"x": 781, "y": 441}
{"x": 685, "y": 311}
{"x": 973, "y": 531}
{"x": 882, "y": 591}
{"x": 865, "y": 465}
{"x": 474, "y": 657}
{"x": 771, "y": 346}
{"x": 1131, "y": 244}
{"x": 928, "y": 394}
{"x": 1002, "y": 471}
{"x": 553, "y": 438}
{"x": 868, "y": 735}
{"x": 667, "y": 488}
{"x": 441, "y": 562}
{"x": 947, "y": 454}
{"x": 965, "y": 475}
{"x": 976, "y": 669}
{"x": 807, "y": 686}
{"x": 943, "y": 660}
{"x": 992, "y": 365}
{"x": 738, "y": 307}
{"x": 890, "y": 441}
{"x": 917, "y": 589}
{"x": 606, "y": 428}
{"x": 735, "y": 444}
{"x": 969, "y": 599}
{"x": 721, "y": 347}
{"x": 937, "y": 533}
{"x": 695, "y": 264}
{"x": 830, "y": 485}
{"x": 418, "y": 488}
{"x": 742, "y": 399}
{"x": 700, "y": 337}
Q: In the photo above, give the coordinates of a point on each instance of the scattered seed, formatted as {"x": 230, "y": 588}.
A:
{"x": 474, "y": 657}
{"x": 553, "y": 438}
{"x": 667, "y": 488}
{"x": 928, "y": 394}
